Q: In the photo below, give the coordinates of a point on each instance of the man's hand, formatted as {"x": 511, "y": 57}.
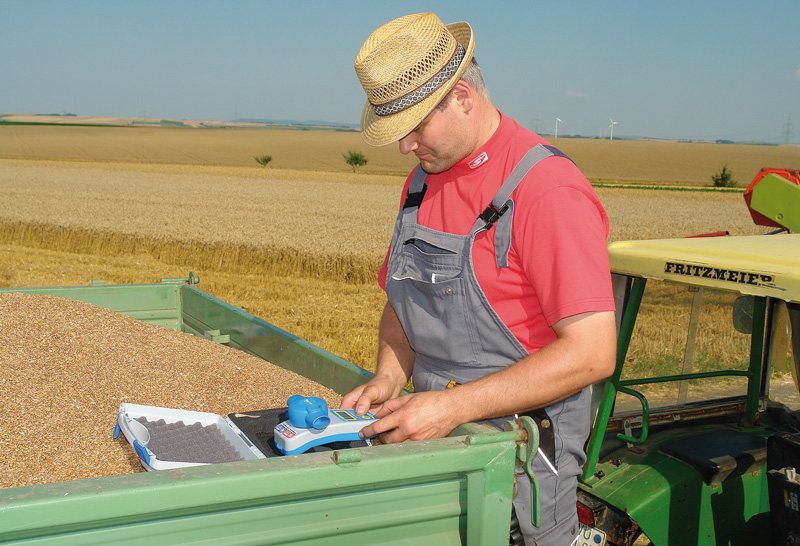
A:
{"x": 417, "y": 416}
{"x": 370, "y": 396}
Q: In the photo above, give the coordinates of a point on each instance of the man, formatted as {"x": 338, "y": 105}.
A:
{"x": 498, "y": 284}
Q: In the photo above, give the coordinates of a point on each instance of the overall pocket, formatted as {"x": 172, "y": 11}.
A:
{"x": 425, "y": 261}
{"x": 427, "y": 292}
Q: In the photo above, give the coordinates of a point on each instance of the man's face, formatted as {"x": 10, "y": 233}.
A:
{"x": 441, "y": 140}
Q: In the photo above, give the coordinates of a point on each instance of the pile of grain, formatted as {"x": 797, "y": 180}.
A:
{"x": 65, "y": 367}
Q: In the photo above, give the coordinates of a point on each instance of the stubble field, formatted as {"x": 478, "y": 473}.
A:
{"x": 603, "y": 161}
{"x": 299, "y": 242}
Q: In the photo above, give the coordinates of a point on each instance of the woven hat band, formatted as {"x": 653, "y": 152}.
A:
{"x": 425, "y": 90}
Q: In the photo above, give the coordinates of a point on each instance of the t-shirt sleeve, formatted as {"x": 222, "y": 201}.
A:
{"x": 383, "y": 271}
{"x": 563, "y": 237}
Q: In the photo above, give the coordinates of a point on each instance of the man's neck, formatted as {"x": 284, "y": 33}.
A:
{"x": 489, "y": 122}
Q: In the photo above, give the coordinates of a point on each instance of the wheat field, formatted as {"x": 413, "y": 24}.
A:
{"x": 298, "y": 243}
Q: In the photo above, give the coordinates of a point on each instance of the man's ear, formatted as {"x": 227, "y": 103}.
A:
{"x": 464, "y": 95}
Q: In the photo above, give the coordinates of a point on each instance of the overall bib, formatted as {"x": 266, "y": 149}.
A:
{"x": 457, "y": 337}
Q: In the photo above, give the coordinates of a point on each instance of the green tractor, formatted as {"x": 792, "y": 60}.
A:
{"x": 696, "y": 435}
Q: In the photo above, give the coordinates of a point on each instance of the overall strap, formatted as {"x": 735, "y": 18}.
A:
{"x": 502, "y": 205}
{"x": 416, "y": 191}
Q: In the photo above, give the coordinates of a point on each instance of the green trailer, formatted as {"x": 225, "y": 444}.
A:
{"x": 456, "y": 490}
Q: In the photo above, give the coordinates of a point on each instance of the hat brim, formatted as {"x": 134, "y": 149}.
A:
{"x": 382, "y": 130}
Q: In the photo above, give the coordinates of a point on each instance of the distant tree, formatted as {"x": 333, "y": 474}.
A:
{"x": 724, "y": 179}
{"x": 355, "y": 159}
{"x": 263, "y": 159}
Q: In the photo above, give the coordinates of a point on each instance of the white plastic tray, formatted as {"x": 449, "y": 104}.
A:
{"x": 139, "y": 437}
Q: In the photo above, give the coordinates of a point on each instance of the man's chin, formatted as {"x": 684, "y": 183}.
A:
{"x": 433, "y": 167}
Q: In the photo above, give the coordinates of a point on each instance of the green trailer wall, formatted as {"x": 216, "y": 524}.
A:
{"x": 450, "y": 491}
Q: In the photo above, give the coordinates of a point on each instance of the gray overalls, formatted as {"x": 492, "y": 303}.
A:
{"x": 457, "y": 337}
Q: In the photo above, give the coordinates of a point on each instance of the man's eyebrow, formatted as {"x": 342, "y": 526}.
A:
{"x": 421, "y": 123}
{"x": 425, "y": 120}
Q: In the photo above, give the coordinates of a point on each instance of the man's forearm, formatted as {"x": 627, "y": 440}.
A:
{"x": 583, "y": 354}
{"x": 395, "y": 355}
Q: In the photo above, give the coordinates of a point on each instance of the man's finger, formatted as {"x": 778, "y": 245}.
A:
{"x": 350, "y": 399}
{"x": 378, "y": 427}
{"x": 368, "y": 397}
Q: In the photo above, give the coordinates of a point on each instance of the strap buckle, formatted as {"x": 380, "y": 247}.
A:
{"x": 414, "y": 200}
{"x": 492, "y": 214}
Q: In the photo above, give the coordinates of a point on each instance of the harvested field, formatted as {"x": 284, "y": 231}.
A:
{"x": 65, "y": 367}
{"x": 303, "y": 150}
{"x": 651, "y": 162}
{"x": 673, "y": 163}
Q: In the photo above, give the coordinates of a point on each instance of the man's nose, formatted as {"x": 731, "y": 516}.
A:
{"x": 408, "y": 144}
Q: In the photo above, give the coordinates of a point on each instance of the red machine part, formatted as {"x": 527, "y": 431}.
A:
{"x": 791, "y": 175}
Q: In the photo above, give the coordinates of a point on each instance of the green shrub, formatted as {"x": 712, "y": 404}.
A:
{"x": 263, "y": 159}
{"x": 724, "y": 179}
{"x": 355, "y": 159}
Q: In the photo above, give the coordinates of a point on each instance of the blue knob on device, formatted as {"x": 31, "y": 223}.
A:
{"x": 308, "y": 412}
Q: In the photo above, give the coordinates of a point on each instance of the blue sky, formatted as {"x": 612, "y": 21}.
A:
{"x": 679, "y": 69}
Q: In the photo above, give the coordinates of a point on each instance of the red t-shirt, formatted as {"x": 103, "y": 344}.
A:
{"x": 558, "y": 262}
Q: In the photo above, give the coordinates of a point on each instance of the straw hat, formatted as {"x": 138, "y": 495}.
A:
{"x": 406, "y": 67}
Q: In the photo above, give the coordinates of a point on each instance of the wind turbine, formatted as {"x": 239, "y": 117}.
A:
{"x": 612, "y": 127}
{"x": 557, "y": 120}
